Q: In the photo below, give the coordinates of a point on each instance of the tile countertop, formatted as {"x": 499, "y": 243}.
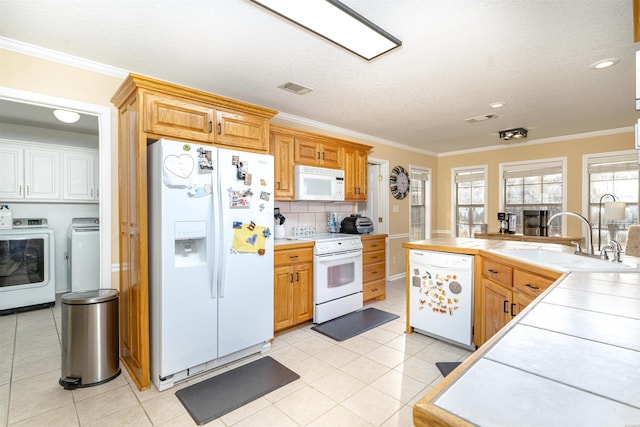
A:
{"x": 571, "y": 358}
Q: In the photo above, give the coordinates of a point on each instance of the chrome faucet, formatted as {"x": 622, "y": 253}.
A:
{"x": 615, "y": 248}
{"x": 585, "y": 221}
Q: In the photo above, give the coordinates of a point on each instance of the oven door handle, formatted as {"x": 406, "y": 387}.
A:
{"x": 340, "y": 255}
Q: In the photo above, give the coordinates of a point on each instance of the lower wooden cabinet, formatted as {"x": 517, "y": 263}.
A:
{"x": 505, "y": 292}
{"x": 374, "y": 285}
{"x": 293, "y": 287}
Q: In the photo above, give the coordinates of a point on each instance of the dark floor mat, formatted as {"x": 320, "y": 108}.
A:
{"x": 445, "y": 368}
{"x": 355, "y": 323}
{"x": 212, "y": 398}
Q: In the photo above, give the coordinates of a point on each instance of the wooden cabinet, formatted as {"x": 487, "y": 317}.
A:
{"x": 293, "y": 287}
{"x": 292, "y": 147}
{"x": 505, "y": 292}
{"x": 374, "y": 267}
{"x": 282, "y": 149}
{"x": 29, "y": 173}
{"x": 313, "y": 152}
{"x": 150, "y": 109}
{"x": 80, "y": 175}
{"x": 206, "y": 118}
{"x": 355, "y": 174}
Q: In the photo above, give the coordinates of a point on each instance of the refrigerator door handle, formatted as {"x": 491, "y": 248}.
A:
{"x": 215, "y": 235}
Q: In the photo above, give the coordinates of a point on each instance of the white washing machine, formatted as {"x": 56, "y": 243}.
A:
{"x": 27, "y": 266}
{"x": 84, "y": 254}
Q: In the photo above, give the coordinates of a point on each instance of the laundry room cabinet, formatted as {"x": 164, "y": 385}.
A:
{"x": 29, "y": 174}
{"x": 80, "y": 175}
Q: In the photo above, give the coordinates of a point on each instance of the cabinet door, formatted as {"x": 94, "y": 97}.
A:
{"x": 520, "y": 301}
{"x": 42, "y": 174}
{"x": 496, "y": 301}
{"x": 355, "y": 174}
{"x": 284, "y": 178}
{"x": 240, "y": 130}
{"x": 178, "y": 117}
{"x": 283, "y": 297}
{"x": 11, "y": 172}
{"x": 302, "y": 293}
{"x": 79, "y": 176}
{"x": 313, "y": 152}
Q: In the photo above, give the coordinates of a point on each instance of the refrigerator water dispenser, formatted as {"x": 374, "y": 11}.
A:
{"x": 190, "y": 243}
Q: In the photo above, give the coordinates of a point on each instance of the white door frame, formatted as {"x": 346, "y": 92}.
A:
{"x": 104, "y": 151}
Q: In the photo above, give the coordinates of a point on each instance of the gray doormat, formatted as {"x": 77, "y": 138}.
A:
{"x": 210, "y": 399}
{"x": 355, "y": 323}
{"x": 445, "y": 368}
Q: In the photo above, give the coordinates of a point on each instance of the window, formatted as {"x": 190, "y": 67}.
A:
{"x": 534, "y": 186}
{"x": 470, "y": 199}
{"x": 616, "y": 175}
{"x": 420, "y": 225}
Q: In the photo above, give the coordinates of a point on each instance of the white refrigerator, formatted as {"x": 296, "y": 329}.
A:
{"x": 441, "y": 296}
{"x": 210, "y": 257}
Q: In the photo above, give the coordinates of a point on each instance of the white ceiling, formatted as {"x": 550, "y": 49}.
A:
{"x": 456, "y": 58}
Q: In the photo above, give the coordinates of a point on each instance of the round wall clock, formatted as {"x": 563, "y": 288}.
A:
{"x": 399, "y": 182}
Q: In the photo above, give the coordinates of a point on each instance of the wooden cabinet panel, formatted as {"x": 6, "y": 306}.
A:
{"x": 178, "y": 117}
{"x": 497, "y": 272}
{"x": 355, "y": 174}
{"x": 293, "y": 292}
{"x": 283, "y": 164}
{"x": 496, "y": 301}
{"x": 374, "y": 267}
{"x": 312, "y": 152}
{"x": 239, "y": 130}
{"x": 529, "y": 284}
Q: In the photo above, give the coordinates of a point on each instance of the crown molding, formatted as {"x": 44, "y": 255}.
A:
{"x": 62, "y": 58}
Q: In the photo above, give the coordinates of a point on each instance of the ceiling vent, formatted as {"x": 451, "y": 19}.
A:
{"x": 295, "y": 88}
{"x": 482, "y": 118}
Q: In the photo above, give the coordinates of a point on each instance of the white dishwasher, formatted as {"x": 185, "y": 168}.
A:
{"x": 441, "y": 296}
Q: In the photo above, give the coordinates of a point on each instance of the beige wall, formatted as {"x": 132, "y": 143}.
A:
{"x": 50, "y": 78}
{"x": 31, "y": 74}
{"x": 573, "y": 150}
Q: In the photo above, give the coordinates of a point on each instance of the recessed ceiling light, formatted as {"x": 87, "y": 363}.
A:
{"x": 66, "y": 116}
{"x": 604, "y": 63}
{"x": 498, "y": 104}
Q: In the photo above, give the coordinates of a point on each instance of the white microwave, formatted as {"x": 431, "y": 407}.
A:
{"x": 319, "y": 183}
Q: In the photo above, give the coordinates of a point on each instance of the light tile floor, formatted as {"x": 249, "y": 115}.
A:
{"x": 369, "y": 380}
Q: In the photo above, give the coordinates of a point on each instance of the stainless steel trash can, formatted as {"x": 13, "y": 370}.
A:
{"x": 90, "y": 344}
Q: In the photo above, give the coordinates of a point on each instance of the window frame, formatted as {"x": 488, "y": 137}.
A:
{"x": 484, "y": 169}
{"x": 506, "y": 167}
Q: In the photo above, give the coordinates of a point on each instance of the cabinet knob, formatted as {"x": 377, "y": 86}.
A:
{"x": 505, "y": 303}
{"x": 492, "y": 271}
{"x": 297, "y": 276}
{"x": 513, "y": 306}
{"x": 529, "y": 285}
{"x": 290, "y": 278}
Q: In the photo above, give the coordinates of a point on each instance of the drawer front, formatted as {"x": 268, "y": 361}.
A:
{"x": 369, "y": 245}
{"x": 373, "y": 290}
{"x": 497, "y": 272}
{"x": 530, "y": 284}
{"x": 292, "y": 256}
{"x": 373, "y": 272}
{"x": 372, "y": 257}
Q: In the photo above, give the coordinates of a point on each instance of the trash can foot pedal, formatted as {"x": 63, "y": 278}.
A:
{"x": 70, "y": 383}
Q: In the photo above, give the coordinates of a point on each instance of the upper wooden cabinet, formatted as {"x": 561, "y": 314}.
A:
{"x": 283, "y": 158}
{"x": 293, "y": 147}
{"x": 312, "y": 152}
{"x": 151, "y": 109}
{"x": 355, "y": 174}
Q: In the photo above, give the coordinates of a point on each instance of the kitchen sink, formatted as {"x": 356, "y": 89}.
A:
{"x": 566, "y": 262}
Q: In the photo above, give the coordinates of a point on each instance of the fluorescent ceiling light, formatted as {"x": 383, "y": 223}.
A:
{"x": 337, "y": 23}
{"x": 66, "y": 116}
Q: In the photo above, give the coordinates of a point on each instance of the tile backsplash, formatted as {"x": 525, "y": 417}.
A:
{"x": 300, "y": 215}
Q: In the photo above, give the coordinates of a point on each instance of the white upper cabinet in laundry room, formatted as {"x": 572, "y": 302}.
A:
{"x": 29, "y": 173}
{"x": 80, "y": 175}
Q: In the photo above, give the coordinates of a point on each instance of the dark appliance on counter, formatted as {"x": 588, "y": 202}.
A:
{"x": 356, "y": 224}
{"x": 507, "y": 222}
{"x": 534, "y": 223}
